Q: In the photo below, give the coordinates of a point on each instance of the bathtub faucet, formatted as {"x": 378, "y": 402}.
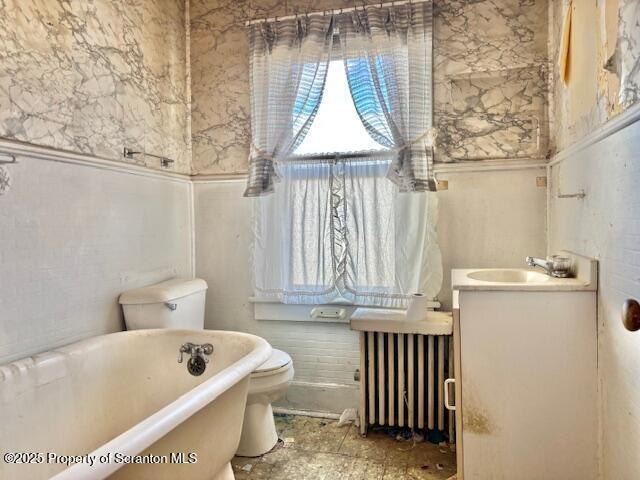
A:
{"x": 194, "y": 350}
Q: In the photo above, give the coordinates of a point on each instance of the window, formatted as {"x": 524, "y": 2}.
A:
{"x": 343, "y": 232}
{"x": 337, "y": 127}
{"x": 333, "y": 220}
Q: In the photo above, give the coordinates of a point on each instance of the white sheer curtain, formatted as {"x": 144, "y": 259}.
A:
{"x": 342, "y": 231}
{"x": 336, "y": 229}
{"x": 387, "y": 54}
{"x": 288, "y": 68}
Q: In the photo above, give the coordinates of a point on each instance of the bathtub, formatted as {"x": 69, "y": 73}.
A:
{"x": 116, "y": 400}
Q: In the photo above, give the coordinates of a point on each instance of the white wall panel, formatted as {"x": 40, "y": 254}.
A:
{"x": 606, "y": 225}
{"x": 72, "y": 237}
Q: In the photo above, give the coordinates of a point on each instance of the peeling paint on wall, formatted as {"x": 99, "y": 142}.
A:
{"x": 604, "y": 63}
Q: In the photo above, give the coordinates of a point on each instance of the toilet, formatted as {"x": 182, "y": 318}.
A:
{"x": 176, "y": 303}
{"x": 179, "y": 303}
{"x": 269, "y": 382}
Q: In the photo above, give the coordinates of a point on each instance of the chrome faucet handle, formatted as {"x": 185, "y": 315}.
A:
{"x": 185, "y": 348}
{"x": 202, "y": 351}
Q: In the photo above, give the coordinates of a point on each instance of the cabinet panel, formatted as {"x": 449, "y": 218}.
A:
{"x": 528, "y": 385}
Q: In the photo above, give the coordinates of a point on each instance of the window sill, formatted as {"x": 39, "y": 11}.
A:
{"x": 273, "y": 310}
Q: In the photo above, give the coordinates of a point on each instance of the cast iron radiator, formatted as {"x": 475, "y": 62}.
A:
{"x": 402, "y": 382}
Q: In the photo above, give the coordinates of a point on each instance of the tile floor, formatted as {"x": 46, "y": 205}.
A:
{"x": 318, "y": 449}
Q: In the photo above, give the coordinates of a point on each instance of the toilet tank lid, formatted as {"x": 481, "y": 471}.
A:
{"x": 278, "y": 359}
{"x": 163, "y": 292}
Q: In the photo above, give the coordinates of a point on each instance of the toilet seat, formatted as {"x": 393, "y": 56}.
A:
{"x": 277, "y": 363}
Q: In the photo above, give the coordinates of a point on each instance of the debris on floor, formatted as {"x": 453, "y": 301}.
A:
{"x": 349, "y": 416}
{"x": 318, "y": 448}
{"x": 405, "y": 435}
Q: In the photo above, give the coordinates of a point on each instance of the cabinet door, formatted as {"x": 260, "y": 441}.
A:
{"x": 528, "y": 385}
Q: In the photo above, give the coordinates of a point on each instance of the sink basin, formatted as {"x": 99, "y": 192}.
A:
{"x": 508, "y": 275}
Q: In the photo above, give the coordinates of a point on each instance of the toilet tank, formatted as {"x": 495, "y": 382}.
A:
{"x": 176, "y": 303}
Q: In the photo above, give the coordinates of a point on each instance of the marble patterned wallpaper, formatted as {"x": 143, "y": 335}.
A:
{"x": 220, "y": 72}
{"x": 490, "y": 78}
{"x": 628, "y": 51}
{"x": 93, "y": 76}
{"x": 490, "y": 82}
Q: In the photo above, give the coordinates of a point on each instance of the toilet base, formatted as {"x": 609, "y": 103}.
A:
{"x": 258, "y": 431}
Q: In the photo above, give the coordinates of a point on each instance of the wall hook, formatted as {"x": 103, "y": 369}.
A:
{"x": 580, "y": 194}
{"x": 7, "y": 159}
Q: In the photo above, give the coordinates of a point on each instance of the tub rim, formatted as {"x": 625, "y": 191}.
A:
{"x": 143, "y": 434}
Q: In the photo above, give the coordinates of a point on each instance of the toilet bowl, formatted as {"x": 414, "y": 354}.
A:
{"x": 269, "y": 382}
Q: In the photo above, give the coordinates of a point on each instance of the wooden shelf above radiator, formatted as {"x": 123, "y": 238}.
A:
{"x": 394, "y": 321}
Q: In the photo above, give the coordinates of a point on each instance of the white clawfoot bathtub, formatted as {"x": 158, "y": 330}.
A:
{"x": 123, "y": 397}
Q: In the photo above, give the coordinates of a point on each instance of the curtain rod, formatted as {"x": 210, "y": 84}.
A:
{"x": 335, "y": 11}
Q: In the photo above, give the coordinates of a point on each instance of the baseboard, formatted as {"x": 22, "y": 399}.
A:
{"x": 327, "y": 398}
{"x": 305, "y": 413}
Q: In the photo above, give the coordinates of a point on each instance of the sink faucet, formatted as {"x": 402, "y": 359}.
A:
{"x": 555, "y": 266}
{"x": 539, "y": 262}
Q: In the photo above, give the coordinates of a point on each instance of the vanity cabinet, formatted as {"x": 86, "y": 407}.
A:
{"x": 526, "y": 384}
